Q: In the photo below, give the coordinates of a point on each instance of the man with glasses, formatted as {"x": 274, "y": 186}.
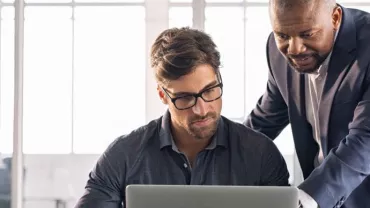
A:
{"x": 191, "y": 143}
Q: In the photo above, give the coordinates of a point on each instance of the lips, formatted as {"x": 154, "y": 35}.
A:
{"x": 303, "y": 61}
{"x": 203, "y": 122}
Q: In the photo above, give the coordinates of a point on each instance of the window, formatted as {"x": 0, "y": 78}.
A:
{"x": 47, "y": 1}
{"x": 364, "y": 8}
{"x": 354, "y": 2}
{"x": 109, "y": 75}
{"x": 223, "y": 1}
{"x": 47, "y": 106}
{"x": 257, "y": 31}
{"x": 357, "y": 4}
{"x": 180, "y": 16}
{"x": 109, "y": 1}
{"x": 258, "y": 28}
{"x": 84, "y": 76}
{"x": 181, "y": 1}
{"x": 227, "y": 31}
{"x": 6, "y": 79}
{"x": 86, "y": 66}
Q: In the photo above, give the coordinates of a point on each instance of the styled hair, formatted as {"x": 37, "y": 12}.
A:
{"x": 178, "y": 51}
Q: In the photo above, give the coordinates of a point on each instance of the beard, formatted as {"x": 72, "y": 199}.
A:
{"x": 308, "y": 69}
{"x": 204, "y": 132}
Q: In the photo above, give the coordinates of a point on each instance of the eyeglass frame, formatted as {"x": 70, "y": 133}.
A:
{"x": 196, "y": 95}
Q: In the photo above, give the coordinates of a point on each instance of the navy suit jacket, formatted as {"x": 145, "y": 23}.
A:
{"x": 344, "y": 116}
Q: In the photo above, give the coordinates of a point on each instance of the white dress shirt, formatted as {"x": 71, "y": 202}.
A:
{"x": 313, "y": 89}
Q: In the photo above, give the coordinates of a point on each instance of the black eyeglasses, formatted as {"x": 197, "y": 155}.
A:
{"x": 189, "y": 100}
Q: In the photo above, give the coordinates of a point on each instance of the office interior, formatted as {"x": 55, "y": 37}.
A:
{"x": 75, "y": 75}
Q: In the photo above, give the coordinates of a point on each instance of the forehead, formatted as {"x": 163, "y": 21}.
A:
{"x": 200, "y": 77}
{"x": 297, "y": 18}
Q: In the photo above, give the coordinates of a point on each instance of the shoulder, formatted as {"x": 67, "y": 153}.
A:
{"x": 135, "y": 141}
{"x": 271, "y": 47}
{"x": 361, "y": 21}
{"x": 275, "y": 60}
{"x": 248, "y": 139}
{"x": 360, "y": 29}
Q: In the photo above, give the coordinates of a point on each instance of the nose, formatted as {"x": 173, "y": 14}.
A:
{"x": 296, "y": 46}
{"x": 200, "y": 107}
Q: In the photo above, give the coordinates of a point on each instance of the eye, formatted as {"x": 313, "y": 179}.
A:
{"x": 282, "y": 36}
{"x": 209, "y": 90}
{"x": 307, "y": 35}
{"x": 186, "y": 98}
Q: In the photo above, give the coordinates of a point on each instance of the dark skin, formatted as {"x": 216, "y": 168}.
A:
{"x": 305, "y": 34}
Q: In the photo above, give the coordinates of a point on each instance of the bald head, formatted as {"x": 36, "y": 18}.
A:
{"x": 304, "y": 30}
{"x": 281, "y": 6}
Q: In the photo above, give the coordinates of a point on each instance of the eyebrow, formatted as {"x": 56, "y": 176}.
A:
{"x": 302, "y": 32}
{"x": 277, "y": 32}
{"x": 211, "y": 84}
{"x": 306, "y": 31}
{"x": 280, "y": 33}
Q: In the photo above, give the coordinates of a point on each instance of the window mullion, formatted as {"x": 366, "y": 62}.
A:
{"x": 199, "y": 14}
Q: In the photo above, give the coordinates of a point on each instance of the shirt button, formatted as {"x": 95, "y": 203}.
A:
{"x": 185, "y": 165}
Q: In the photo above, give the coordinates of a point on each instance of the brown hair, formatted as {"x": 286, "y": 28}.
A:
{"x": 177, "y": 51}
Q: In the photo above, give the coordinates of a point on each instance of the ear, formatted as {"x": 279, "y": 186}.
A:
{"x": 162, "y": 96}
{"x": 337, "y": 17}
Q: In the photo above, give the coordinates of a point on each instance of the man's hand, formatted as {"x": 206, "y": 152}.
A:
{"x": 305, "y": 200}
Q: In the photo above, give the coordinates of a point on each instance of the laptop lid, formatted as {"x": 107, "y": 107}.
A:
{"x": 202, "y": 196}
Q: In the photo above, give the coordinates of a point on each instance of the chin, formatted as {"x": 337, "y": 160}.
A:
{"x": 203, "y": 133}
{"x": 202, "y": 137}
{"x": 305, "y": 69}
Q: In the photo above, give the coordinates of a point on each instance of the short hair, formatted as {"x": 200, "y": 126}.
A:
{"x": 283, "y": 5}
{"x": 177, "y": 51}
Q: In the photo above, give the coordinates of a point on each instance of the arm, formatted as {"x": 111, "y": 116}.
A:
{"x": 274, "y": 171}
{"x": 105, "y": 183}
{"x": 346, "y": 166}
{"x": 270, "y": 116}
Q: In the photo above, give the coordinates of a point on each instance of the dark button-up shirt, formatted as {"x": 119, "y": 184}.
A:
{"x": 236, "y": 155}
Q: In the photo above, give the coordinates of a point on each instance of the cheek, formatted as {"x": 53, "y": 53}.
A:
{"x": 327, "y": 45}
{"x": 216, "y": 106}
{"x": 283, "y": 47}
{"x": 319, "y": 48}
{"x": 220, "y": 106}
{"x": 321, "y": 44}
{"x": 180, "y": 116}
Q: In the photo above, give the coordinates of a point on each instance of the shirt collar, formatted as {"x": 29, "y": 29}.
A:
{"x": 166, "y": 139}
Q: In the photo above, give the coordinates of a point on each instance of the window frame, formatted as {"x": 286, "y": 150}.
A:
{"x": 157, "y": 20}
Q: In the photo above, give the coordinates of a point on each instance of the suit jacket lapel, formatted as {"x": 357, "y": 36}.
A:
{"x": 342, "y": 57}
{"x": 306, "y": 146}
{"x": 296, "y": 90}
{"x": 297, "y": 107}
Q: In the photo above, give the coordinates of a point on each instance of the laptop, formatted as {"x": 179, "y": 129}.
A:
{"x": 202, "y": 196}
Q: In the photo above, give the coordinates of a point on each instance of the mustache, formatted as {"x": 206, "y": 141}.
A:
{"x": 301, "y": 56}
{"x": 200, "y": 118}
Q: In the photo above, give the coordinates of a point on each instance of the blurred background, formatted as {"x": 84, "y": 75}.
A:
{"x": 87, "y": 80}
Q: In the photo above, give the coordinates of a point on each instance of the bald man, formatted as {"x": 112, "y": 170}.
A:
{"x": 319, "y": 83}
